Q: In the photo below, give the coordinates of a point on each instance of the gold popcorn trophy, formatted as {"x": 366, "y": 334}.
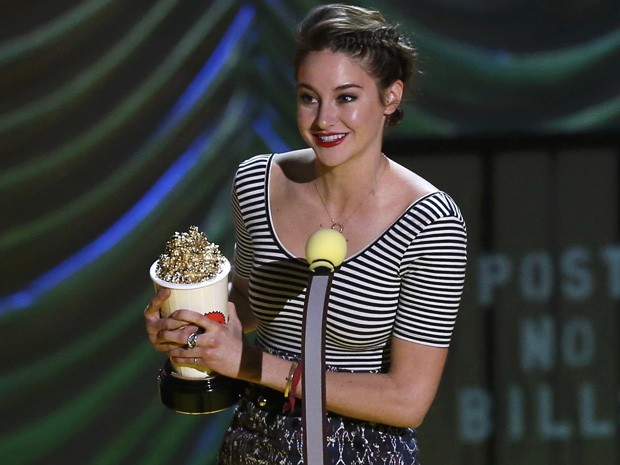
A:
{"x": 197, "y": 274}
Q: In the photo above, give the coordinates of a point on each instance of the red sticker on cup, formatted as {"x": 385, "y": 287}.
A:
{"x": 218, "y": 317}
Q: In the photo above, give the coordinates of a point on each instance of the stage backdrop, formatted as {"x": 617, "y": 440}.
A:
{"x": 122, "y": 122}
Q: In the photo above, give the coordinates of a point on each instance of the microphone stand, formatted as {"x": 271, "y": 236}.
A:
{"x": 325, "y": 250}
{"x": 314, "y": 413}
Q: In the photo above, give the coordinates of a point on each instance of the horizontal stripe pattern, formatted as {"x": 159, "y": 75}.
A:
{"x": 407, "y": 283}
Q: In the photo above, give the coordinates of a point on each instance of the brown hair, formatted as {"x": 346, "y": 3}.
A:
{"x": 365, "y": 36}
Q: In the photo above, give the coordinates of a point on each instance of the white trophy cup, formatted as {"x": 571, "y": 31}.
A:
{"x": 188, "y": 388}
{"x": 209, "y": 297}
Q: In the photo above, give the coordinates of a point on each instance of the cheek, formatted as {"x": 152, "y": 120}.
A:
{"x": 304, "y": 123}
{"x": 305, "y": 117}
{"x": 354, "y": 115}
{"x": 376, "y": 113}
{"x": 359, "y": 117}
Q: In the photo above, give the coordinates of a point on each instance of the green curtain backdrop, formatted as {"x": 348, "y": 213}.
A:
{"x": 123, "y": 121}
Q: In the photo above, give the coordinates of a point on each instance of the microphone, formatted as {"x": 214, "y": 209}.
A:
{"x": 326, "y": 249}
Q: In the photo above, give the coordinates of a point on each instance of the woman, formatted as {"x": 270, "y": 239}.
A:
{"x": 393, "y": 301}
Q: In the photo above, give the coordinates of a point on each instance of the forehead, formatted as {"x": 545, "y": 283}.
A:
{"x": 332, "y": 69}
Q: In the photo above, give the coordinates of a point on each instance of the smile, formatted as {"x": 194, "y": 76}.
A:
{"x": 329, "y": 140}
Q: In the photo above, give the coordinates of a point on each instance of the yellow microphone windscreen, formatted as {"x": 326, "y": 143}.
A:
{"x": 326, "y": 247}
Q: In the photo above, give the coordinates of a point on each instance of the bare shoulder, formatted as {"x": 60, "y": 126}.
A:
{"x": 296, "y": 165}
{"x": 409, "y": 185}
{"x": 291, "y": 173}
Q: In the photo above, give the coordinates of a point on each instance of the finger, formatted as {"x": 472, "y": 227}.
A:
{"x": 166, "y": 333}
{"x": 195, "y": 362}
{"x": 154, "y": 306}
{"x": 182, "y": 351}
{"x": 195, "y": 318}
{"x": 179, "y": 336}
{"x": 165, "y": 347}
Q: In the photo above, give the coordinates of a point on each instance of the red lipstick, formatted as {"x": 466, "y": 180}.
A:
{"x": 331, "y": 139}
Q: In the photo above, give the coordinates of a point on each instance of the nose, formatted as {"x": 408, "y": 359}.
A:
{"x": 325, "y": 117}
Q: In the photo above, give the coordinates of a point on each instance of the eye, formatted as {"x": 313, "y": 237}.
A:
{"x": 346, "y": 98}
{"x": 306, "y": 98}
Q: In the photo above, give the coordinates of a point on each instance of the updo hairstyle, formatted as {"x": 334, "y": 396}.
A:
{"x": 366, "y": 37}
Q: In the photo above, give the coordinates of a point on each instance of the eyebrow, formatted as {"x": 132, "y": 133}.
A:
{"x": 337, "y": 89}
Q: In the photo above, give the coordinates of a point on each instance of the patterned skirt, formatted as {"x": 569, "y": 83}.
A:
{"x": 260, "y": 437}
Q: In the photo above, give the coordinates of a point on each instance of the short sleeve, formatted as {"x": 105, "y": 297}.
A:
{"x": 433, "y": 276}
{"x": 243, "y": 243}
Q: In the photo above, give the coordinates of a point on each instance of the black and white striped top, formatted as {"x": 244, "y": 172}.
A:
{"x": 407, "y": 283}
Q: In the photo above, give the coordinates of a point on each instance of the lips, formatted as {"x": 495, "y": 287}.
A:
{"x": 329, "y": 140}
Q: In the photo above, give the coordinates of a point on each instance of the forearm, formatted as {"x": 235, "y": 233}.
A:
{"x": 400, "y": 397}
{"x": 378, "y": 397}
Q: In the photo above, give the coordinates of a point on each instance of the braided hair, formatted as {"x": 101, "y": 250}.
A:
{"x": 366, "y": 37}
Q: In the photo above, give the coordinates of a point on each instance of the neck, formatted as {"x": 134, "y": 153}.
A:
{"x": 341, "y": 184}
{"x": 341, "y": 201}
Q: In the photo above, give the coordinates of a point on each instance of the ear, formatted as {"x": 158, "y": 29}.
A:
{"x": 392, "y": 97}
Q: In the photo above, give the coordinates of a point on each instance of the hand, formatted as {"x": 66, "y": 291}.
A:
{"x": 160, "y": 329}
{"x": 220, "y": 348}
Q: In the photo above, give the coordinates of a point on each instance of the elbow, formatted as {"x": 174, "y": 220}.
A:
{"x": 412, "y": 418}
{"x": 413, "y": 404}
{"x": 411, "y": 412}
{"x": 402, "y": 414}
{"x": 417, "y": 420}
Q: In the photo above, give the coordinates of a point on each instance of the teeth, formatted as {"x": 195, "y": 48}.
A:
{"x": 331, "y": 138}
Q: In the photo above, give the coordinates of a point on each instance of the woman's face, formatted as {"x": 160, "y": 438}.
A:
{"x": 340, "y": 113}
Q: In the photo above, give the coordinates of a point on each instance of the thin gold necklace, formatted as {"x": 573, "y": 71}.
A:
{"x": 339, "y": 226}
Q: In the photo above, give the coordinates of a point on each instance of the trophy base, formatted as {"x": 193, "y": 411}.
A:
{"x": 197, "y": 396}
